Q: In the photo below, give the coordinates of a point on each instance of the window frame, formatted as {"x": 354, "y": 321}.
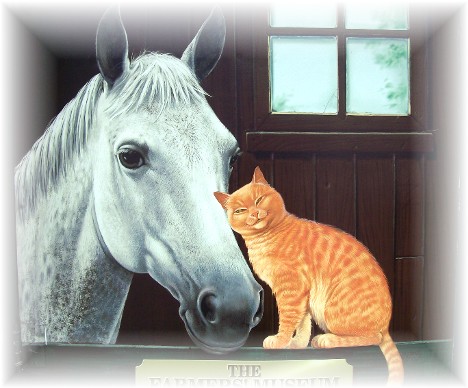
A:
{"x": 265, "y": 120}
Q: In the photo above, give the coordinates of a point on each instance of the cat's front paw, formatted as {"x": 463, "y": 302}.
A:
{"x": 324, "y": 341}
{"x": 275, "y": 342}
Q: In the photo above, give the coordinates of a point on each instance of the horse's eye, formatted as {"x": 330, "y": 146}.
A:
{"x": 234, "y": 158}
{"x": 130, "y": 158}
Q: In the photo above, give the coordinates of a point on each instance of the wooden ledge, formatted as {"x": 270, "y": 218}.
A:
{"x": 374, "y": 142}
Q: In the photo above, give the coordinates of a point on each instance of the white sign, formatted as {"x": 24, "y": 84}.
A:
{"x": 232, "y": 373}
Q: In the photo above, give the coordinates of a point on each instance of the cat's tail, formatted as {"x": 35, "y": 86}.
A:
{"x": 394, "y": 361}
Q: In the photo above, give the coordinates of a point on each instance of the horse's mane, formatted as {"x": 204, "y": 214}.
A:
{"x": 155, "y": 81}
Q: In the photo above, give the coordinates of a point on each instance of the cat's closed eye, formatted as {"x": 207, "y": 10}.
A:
{"x": 240, "y": 211}
{"x": 259, "y": 199}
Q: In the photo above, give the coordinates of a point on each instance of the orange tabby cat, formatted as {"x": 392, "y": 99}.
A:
{"x": 315, "y": 271}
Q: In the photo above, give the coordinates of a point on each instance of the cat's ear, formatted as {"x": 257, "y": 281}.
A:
{"x": 258, "y": 177}
{"x": 222, "y": 198}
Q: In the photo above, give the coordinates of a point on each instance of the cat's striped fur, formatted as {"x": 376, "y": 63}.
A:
{"x": 315, "y": 271}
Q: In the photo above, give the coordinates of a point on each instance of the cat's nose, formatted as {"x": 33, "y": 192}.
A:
{"x": 252, "y": 219}
{"x": 257, "y": 213}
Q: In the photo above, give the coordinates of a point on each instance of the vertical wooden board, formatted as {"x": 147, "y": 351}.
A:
{"x": 154, "y": 322}
{"x": 375, "y": 209}
{"x": 294, "y": 179}
{"x": 408, "y": 299}
{"x": 336, "y": 192}
{"x": 409, "y": 206}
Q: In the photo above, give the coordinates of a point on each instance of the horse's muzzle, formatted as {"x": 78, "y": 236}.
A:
{"x": 220, "y": 321}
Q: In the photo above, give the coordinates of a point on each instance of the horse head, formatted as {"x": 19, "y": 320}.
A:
{"x": 160, "y": 152}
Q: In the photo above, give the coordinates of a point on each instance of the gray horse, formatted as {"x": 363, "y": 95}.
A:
{"x": 122, "y": 182}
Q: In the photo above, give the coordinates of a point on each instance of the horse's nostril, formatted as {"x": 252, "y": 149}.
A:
{"x": 208, "y": 307}
{"x": 212, "y": 313}
{"x": 258, "y": 315}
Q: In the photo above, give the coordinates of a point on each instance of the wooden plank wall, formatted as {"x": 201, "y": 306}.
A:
{"x": 379, "y": 199}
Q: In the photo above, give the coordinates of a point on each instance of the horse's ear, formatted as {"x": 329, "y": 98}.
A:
{"x": 258, "y": 177}
{"x": 222, "y": 198}
{"x": 112, "y": 46}
{"x": 203, "y": 53}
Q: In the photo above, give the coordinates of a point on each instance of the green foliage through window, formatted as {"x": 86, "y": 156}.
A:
{"x": 304, "y": 69}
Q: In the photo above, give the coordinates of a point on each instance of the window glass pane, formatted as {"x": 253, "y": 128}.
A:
{"x": 304, "y": 74}
{"x": 377, "y": 76}
{"x": 379, "y": 16}
{"x": 303, "y": 15}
